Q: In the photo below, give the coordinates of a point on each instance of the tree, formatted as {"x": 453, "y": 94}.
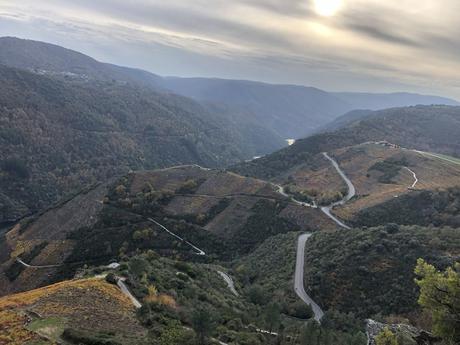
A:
{"x": 202, "y": 323}
{"x": 138, "y": 266}
{"x": 310, "y": 333}
{"x": 272, "y": 316}
{"x": 257, "y": 295}
{"x": 359, "y": 338}
{"x": 440, "y": 295}
{"x": 386, "y": 337}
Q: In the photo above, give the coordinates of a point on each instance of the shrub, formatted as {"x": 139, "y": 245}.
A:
{"x": 111, "y": 278}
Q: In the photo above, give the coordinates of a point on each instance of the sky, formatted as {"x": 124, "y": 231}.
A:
{"x": 336, "y": 45}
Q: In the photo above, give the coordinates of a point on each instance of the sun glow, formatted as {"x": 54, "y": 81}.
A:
{"x": 327, "y": 8}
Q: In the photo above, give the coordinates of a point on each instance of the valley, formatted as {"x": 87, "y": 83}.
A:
{"x": 132, "y": 213}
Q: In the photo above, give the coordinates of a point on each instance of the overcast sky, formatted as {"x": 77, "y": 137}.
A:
{"x": 346, "y": 45}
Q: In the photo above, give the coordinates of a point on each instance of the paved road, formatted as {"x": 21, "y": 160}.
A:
{"x": 280, "y": 189}
{"x": 18, "y": 259}
{"x": 439, "y": 156}
{"x": 415, "y": 177}
{"x": 198, "y": 250}
{"x": 299, "y": 275}
{"x": 229, "y": 282}
{"x": 124, "y": 289}
{"x": 327, "y": 210}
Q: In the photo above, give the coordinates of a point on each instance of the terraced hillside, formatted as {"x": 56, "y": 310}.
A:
{"x": 222, "y": 213}
{"x": 426, "y": 128}
{"x": 59, "y": 135}
{"x": 382, "y": 174}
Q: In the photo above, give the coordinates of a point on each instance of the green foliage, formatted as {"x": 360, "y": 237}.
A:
{"x": 370, "y": 271}
{"x": 15, "y": 269}
{"x": 202, "y": 323}
{"x": 440, "y": 295}
{"x": 138, "y": 266}
{"x": 272, "y": 316}
{"x": 111, "y": 278}
{"x": 262, "y": 224}
{"x": 87, "y": 338}
{"x": 389, "y": 168}
{"x": 315, "y": 334}
{"x": 438, "y": 208}
{"x": 174, "y": 335}
{"x": 386, "y": 337}
{"x": 189, "y": 187}
{"x": 257, "y": 295}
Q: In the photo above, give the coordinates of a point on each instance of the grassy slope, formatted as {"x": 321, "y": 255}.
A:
{"x": 90, "y": 304}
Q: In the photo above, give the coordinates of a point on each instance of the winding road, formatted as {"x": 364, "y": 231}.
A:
{"x": 299, "y": 287}
{"x": 299, "y": 275}
{"x": 327, "y": 210}
{"x": 18, "y": 259}
{"x": 415, "y": 177}
{"x": 229, "y": 282}
{"x": 280, "y": 189}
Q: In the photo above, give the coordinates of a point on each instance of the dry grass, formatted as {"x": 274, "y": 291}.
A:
{"x": 431, "y": 172}
{"x": 13, "y": 331}
{"x": 190, "y": 205}
{"x": 90, "y": 304}
{"x": 319, "y": 177}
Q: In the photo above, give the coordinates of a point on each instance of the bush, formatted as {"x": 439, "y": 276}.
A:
{"x": 81, "y": 337}
{"x": 111, "y": 278}
{"x": 257, "y": 295}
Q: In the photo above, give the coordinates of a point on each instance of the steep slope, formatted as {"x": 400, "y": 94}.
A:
{"x": 291, "y": 111}
{"x": 58, "y": 136}
{"x": 259, "y": 110}
{"x": 426, "y": 128}
{"x": 50, "y": 59}
{"x": 86, "y": 306}
{"x": 344, "y": 120}
{"x": 371, "y": 271}
{"x": 220, "y": 213}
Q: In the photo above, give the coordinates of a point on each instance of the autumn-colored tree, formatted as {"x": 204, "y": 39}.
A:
{"x": 440, "y": 295}
{"x": 386, "y": 337}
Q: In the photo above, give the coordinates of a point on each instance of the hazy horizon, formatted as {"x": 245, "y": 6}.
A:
{"x": 334, "y": 45}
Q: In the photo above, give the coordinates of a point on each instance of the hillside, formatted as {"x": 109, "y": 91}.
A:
{"x": 50, "y": 59}
{"x": 370, "y": 271}
{"x": 59, "y": 136}
{"x": 277, "y": 112}
{"x": 425, "y": 128}
{"x": 378, "y": 101}
{"x": 291, "y": 111}
{"x": 223, "y": 214}
{"x": 83, "y": 307}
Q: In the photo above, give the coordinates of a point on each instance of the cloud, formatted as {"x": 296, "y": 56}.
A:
{"x": 381, "y": 46}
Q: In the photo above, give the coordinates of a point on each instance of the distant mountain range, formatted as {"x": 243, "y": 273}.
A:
{"x": 281, "y": 111}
